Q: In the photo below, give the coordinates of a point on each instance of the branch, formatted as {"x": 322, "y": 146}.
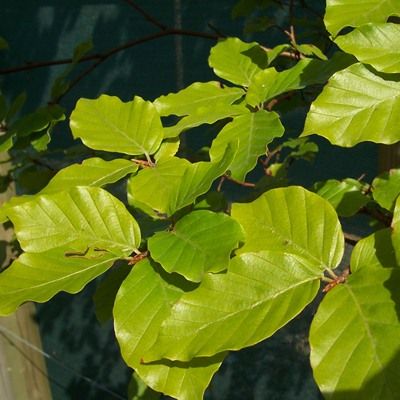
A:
{"x": 146, "y": 16}
{"x": 102, "y": 56}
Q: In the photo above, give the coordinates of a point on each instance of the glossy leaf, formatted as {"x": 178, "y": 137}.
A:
{"x": 253, "y": 132}
{"x": 346, "y": 196}
{"x": 356, "y": 106}
{"x": 237, "y": 61}
{"x": 260, "y": 293}
{"x": 354, "y": 338}
{"x": 82, "y": 218}
{"x": 199, "y": 242}
{"x": 342, "y": 13}
{"x": 38, "y": 277}
{"x": 173, "y": 184}
{"x": 107, "y": 123}
{"x": 196, "y": 97}
{"x": 292, "y": 220}
{"x": 143, "y": 302}
{"x": 374, "y": 251}
{"x": 386, "y": 188}
{"x": 269, "y": 83}
{"x": 374, "y": 44}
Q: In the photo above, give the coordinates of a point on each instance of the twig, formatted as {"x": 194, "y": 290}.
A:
{"x": 146, "y": 16}
{"x": 350, "y": 238}
{"x": 245, "y": 184}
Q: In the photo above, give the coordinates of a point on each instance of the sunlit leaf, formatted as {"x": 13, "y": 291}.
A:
{"x": 253, "y": 131}
{"x": 356, "y": 106}
{"x": 174, "y": 183}
{"x": 237, "y": 61}
{"x": 396, "y": 229}
{"x": 292, "y": 220}
{"x": 374, "y": 44}
{"x": 81, "y": 218}
{"x": 260, "y": 293}
{"x": 107, "y": 123}
{"x": 143, "y": 302}
{"x": 201, "y": 241}
{"x": 342, "y": 13}
{"x": 386, "y": 188}
{"x": 374, "y": 251}
{"x": 38, "y": 277}
{"x": 167, "y": 149}
{"x": 354, "y": 338}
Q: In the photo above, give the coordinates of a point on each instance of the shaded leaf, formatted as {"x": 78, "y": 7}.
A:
{"x": 138, "y": 390}
{"x": 356, "y": 106}
{"x": 342, "y": 13}
{"x": 261, "y": 290}
{"x": 354, "y": 338}
{"x": 174, "y": 183}
{"x": 81, "y": 218}
{"x": 143, "y": 302}
{"x": 374, "y": 44}
{"x": 107, "y": 123}
{"x": 253, "y": 132}
{"x": 237, "y": 61}
{"x": 346, "y": 196}
{"x": 38, "y": 277}
{"x": 386, "y": 189}
{"x": 199, "y": 242}
{"x": 292, "y": 220}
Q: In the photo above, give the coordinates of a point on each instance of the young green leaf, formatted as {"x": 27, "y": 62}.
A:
{"x": 143, "y": 302}
{"x": 342, "y": 13}
{"x": 107, "y": 123}
{"x": 237, "y": 61}
{"x": 386, "y": 189}
{"x": 253, "y": 131}
{"x": 201, "y": 241}
{"x": 81, "y": 218}
{"x": 374, "y": 251}
{"x": 174, "y": 183}
{"x": 38, "y": 277}
{"x": 374, "y": 44}
{"x": 396, "y": 229}
{"x": 356, "y": 106}
{"x": 198, "y": 96}
{"x": 259, "y": 294}
{"x": 354, "y": 338}
{"x": 292, "y": 220}
{"x": 346, "y": 196}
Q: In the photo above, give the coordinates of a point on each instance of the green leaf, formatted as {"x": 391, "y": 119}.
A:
{"x": 81, "y": 218}
{"x": 199, "y": 242}
{"x": 196, "y": 97}
{"x": 38, "y": 277}
{"x": 16, "y": 105}
{"x": 292, "y": 220}
{"x": 174, "y": 183}
{"x": 270, "y": 83}
{"x": 386, "y": 189}
{"x": 92, "y": 172}
{"x": 310, "y": 50}
{"x": 107, "y": 123}
{"x": 237, "y": 61}
{"x": 374, "y": 251}
{"x": 354, "y": 338}
{"x": 356, "y": 106}
{"x": 253, "y": 131}
{"x": 346, "y": 196}
{"x": 374, "y": 44}
{"x": 259, "y": 294}
{"x": 396, "y": 229}
{"x": 3, "y": 43}
{"x": 167, "y": 149}
{"x": 143, "y": 302}
{"x": 342, "y": 13}
{"x": 106, "y": 292}
{"x": 138, "y": 390}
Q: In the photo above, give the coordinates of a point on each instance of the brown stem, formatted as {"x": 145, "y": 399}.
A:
{"x": 245, "y": 184}
{"x": 351, "y": 238}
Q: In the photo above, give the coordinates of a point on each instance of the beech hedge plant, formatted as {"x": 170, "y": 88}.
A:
{"x": 195, "y": 275}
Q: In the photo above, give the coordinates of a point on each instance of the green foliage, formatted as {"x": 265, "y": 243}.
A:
{"x": 198, "y": 272}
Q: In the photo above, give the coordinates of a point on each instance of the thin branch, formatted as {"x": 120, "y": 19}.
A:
{"x": 351, "y": 239}
{"x": 146, "y": 16}
{"x": 245, "y": 184}
{"x": 102, "y": 56}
